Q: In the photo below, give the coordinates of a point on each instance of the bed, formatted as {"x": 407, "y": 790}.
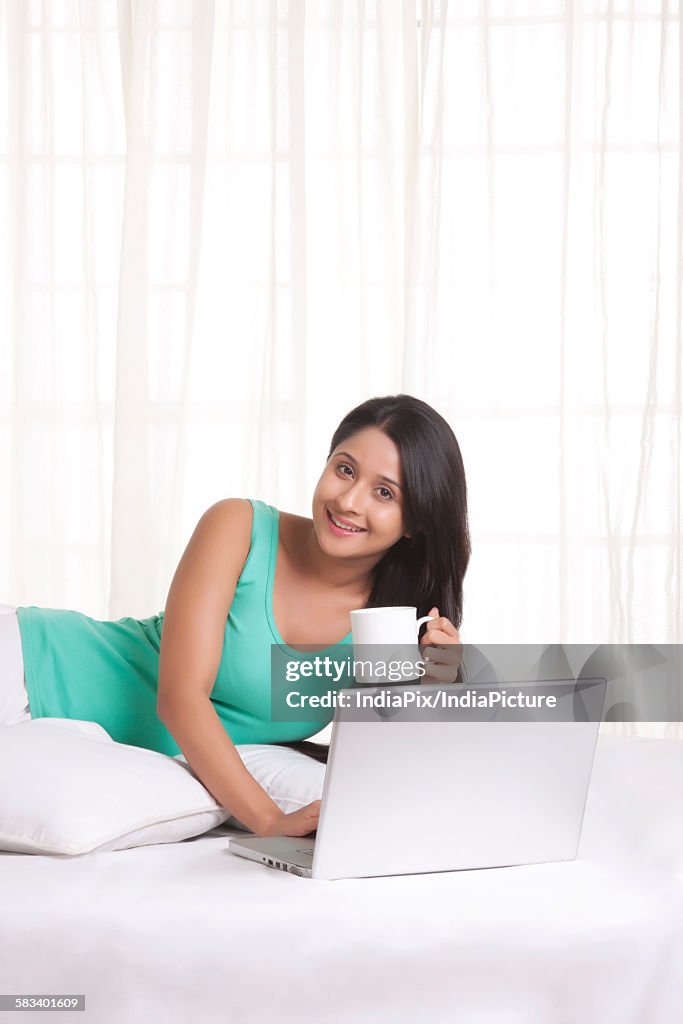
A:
{"x": 189, "y": 931}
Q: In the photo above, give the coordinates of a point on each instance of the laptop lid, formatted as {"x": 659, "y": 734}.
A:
{"x": 478, "y": 788}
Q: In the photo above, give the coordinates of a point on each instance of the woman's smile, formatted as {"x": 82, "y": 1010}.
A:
{"x": 347, "y": 530}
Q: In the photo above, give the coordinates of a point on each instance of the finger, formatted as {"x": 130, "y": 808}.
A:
{"x": 439, "y": 636}
{"x": 445, "y": 661}
{"x": 450, "y": 655}
{"x": 433, "y": 619}
{"x": 439, "y": 673}
{"x": 444, "y": 648}
{"x": 444, "y": 624}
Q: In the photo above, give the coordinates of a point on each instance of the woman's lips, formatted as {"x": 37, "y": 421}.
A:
{"x": 336, "y": 530}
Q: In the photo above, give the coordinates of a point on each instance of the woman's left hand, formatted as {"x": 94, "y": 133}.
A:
{"x": 441, "y": 650}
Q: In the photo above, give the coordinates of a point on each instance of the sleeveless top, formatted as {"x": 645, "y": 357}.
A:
{"x": 107, "y": 672}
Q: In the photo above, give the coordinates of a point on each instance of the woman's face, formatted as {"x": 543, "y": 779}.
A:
{"x": 361, "y": 485}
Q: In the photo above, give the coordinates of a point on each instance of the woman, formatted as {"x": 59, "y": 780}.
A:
{"x": 388, "y": 527}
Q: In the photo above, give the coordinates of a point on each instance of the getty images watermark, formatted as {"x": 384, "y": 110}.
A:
{"x": 502, "y": 682}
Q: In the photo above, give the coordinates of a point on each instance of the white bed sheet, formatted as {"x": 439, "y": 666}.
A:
{"x": 189, "y": 931}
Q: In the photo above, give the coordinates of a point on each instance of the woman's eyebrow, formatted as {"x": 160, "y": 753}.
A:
{"x": 379, "y": 475}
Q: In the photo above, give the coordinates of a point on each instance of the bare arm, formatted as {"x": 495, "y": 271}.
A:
{"x": 197, "y": 607}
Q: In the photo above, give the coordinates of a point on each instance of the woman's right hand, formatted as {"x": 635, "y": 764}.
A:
{"x": 298, "y": 823}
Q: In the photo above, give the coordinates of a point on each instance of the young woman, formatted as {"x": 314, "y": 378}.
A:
{"x": 388, "y": 527}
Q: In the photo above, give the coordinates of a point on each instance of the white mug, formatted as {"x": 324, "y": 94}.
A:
{"x": 388, "y": 635}
{"x": 391, "y": 625}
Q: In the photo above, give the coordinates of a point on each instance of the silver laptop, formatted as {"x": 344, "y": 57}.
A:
{"x": 483, "y": 790}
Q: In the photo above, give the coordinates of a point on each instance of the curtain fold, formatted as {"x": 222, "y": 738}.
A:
{"x": 165, "y": 87}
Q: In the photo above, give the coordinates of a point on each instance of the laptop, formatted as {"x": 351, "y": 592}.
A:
{"x": 450, "y": 791}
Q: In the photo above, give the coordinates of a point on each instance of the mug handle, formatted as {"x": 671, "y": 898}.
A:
{"x": 425, "y": 618}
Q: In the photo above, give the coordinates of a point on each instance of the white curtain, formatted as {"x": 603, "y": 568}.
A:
{"x": 223, "y": 224}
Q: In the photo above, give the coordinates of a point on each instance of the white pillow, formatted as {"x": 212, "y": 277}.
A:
{"x": 67, "y": 788}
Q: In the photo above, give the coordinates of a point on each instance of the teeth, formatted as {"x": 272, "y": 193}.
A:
{"x": 349, "y": 529}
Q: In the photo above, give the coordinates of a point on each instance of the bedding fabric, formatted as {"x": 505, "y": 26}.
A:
{"x": 14, "y": 707}
{"x": 190, "y": 931}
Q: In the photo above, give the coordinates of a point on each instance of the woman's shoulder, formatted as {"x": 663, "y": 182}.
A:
{"x": 249, "y": 509}
{"x": 234, "y": 511}
{"x": 245, "y": 520}
{"x": 228, "y": 523}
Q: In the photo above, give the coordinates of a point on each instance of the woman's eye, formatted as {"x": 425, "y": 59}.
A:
{"x": 387, "y": 492}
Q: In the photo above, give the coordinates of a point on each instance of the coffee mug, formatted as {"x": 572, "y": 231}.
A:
{"x": 387, "y": 635}
{"x": 392, "y": 625}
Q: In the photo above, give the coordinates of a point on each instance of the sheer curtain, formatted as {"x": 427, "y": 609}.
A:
{"x": 205, "y": 209}
{"x": 546, "y": 287}
{"x": 547, "y": 290}
{"x": 224, "y": 224}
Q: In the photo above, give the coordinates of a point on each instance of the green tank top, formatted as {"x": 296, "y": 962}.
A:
{"x": 107, "y": 672}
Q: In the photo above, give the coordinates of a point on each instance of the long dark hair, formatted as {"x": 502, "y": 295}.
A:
{"x": 426, "y": 569}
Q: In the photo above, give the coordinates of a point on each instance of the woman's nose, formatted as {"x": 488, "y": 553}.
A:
{"x": 351, "y": 499}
